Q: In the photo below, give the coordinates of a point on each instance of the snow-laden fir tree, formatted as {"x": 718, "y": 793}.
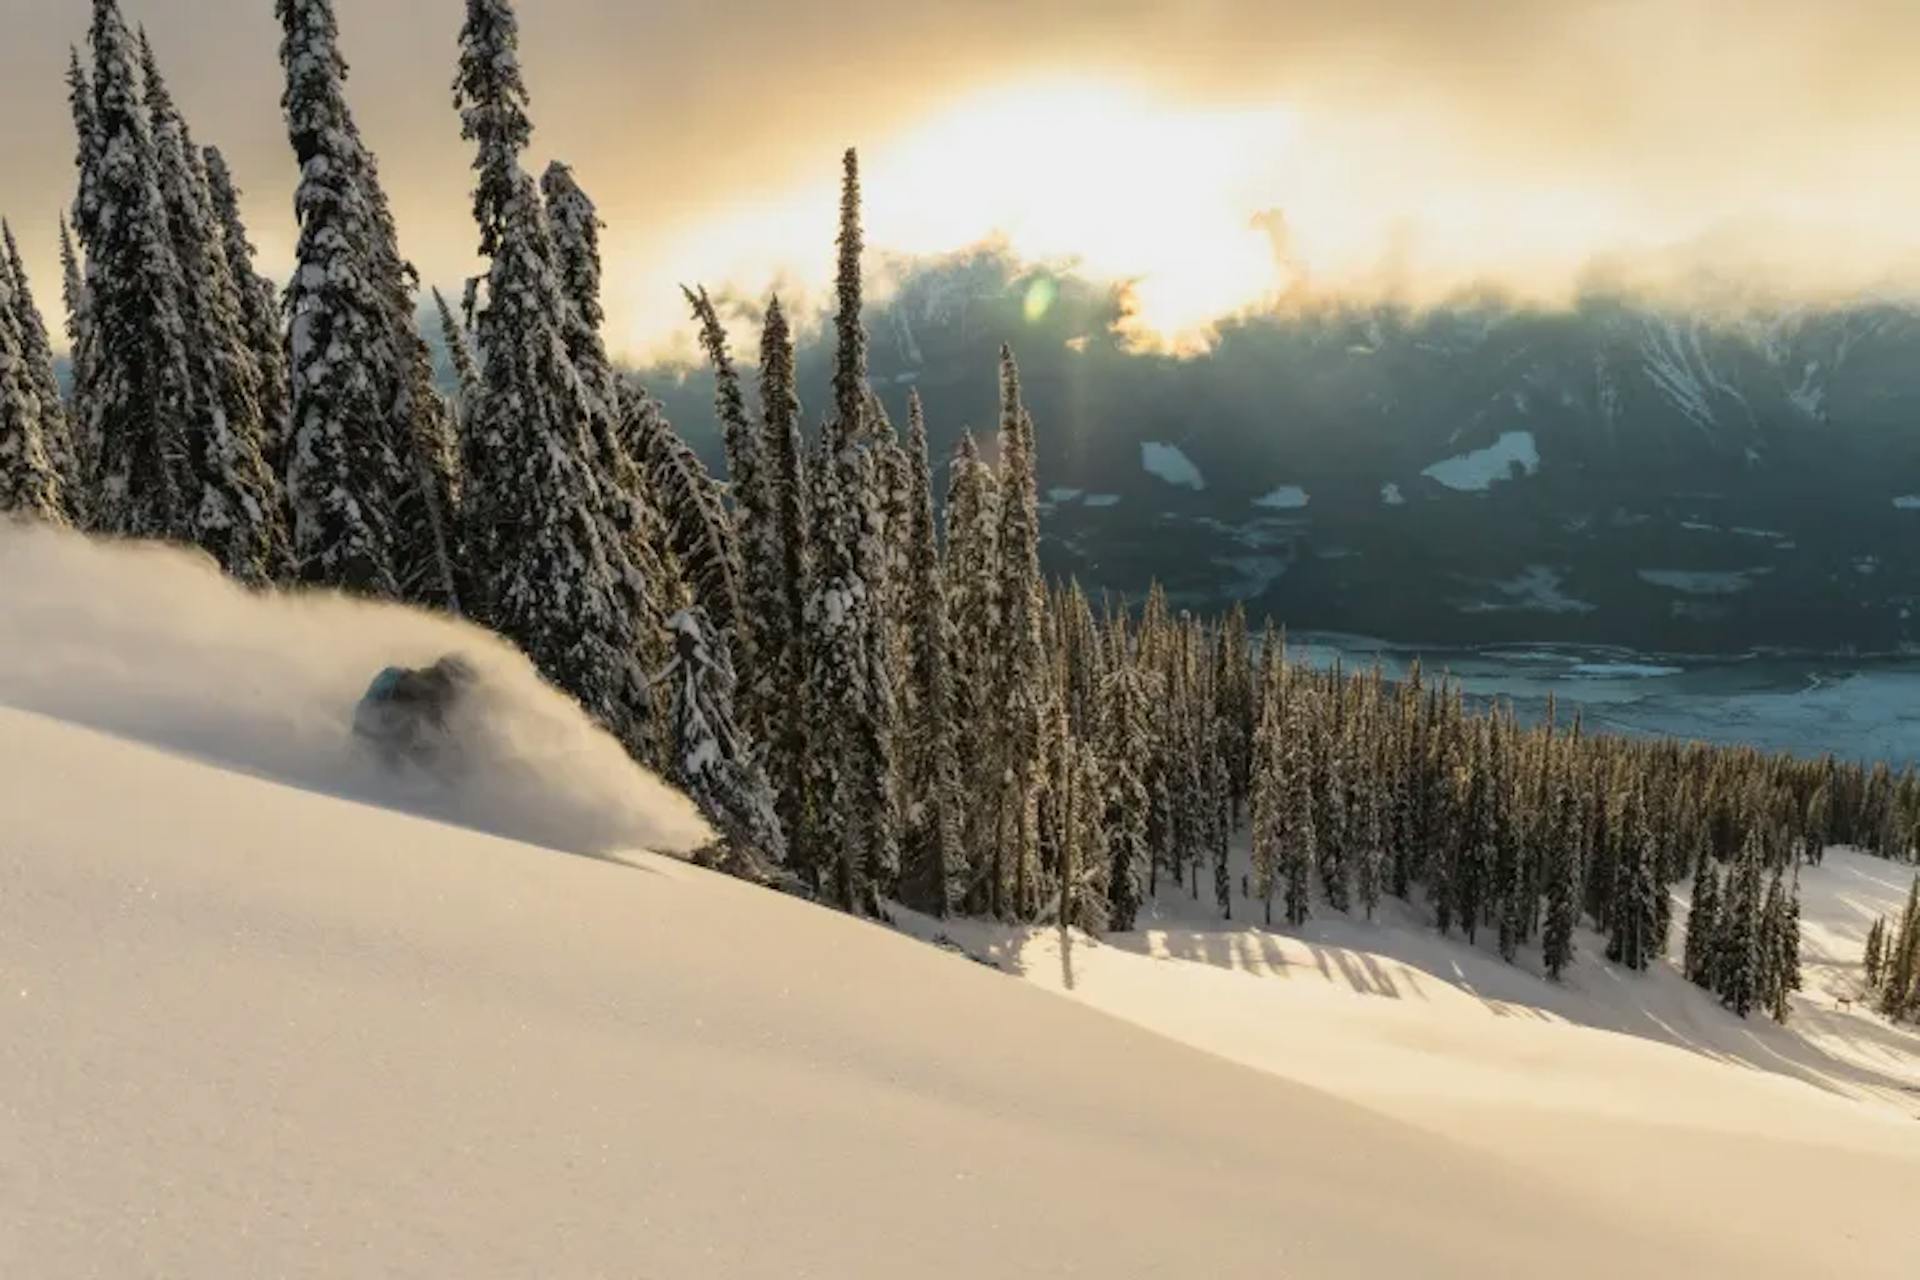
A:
{"x": 1019, "y": 666}
{"x": 466, "y": 370}
{"x": 777, "y": 589}
{"x": 700, "y": 530}
{"x": 259, "y": 304}
{"x": 714, "y": 762}
{"x": 369, "y": 448}
{"x": 1299, "y": 849}
{"x": 1219, "y": 768}
{"x": 1266, "y": 783}
{"x": 234, "y": 499}
{"x": 1369, "y": 870}
{"x": 973, "y": 522}
{"x": 29, "y": 484}
{"x": 574, "y": 223}
{"x": 552, "y": 572}
{"x": 139, "y": 400}
{"x": 1703, "y": 926}
{"x": 79, "y": 326}
{"x": 1125, "y": 740}
{"x": 56, "y": 432}
{"x": 626, "y": 431}
{"x": 1632, "y": 937}
{"x": 1739, "y": 961}
{"x": 853, "y": 823}
{"x": 933, "y": 861}
{"x": 1871, "y": 959}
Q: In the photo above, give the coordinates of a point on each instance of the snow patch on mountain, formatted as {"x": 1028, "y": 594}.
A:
{"x": 1480, "y": 470}
{"x": 1703, "y": 582}
{"x": 1287, "y": 497}
{"x": 1536, "y": 589}
{"x": 1166, "y": 462}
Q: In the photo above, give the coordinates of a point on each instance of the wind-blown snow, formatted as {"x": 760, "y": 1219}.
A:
{"x": 1168, "y": 463}
{"x": 1103, "y": 500}
{"x": 1908, "y": 502}
{"x": 151, "y": 643}
{"x": 1391, "y": 496}
{"x": 1287, "y": 497}
{"x": 1480, "y": 470}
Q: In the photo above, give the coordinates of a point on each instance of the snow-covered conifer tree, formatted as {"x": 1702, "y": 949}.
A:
{"x": 1703, "y": 925}
{"x": 932, "y": 854}
{"x": 466, "y": 370}
{"x": 700, "y": 531}
{"x": 1019, "y": 669}
{"x": 29, "y": 484}
{"x": 369, "y": 466}
{"x": 140, "y": 403}
{"x": 574, "y": 223}
{"x": 854, "y": 819}
{"x": 234, "y": 502}
{"x": 552, "y": 569}
{"x": 715, "y": 762}
{"x": 36, "y": 347}
{"x": 973, "y": 520}
{"x": 259, "y": 304}
{"x": 1738, "y": 963}
{"x": 776, "y": 689}
{"x": 1125, "y": 740}
{"x": 85, "y": 451}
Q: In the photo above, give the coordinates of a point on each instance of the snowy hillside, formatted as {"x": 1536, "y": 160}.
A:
{"x": 261, "y": 1022}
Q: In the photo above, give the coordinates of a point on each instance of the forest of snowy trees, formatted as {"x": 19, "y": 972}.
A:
{"x": 863, "y": 678}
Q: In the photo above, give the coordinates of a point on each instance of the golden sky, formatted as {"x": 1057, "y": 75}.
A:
{"x": 1215, "y": 153}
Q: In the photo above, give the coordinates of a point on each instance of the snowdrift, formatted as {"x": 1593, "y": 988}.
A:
{"x": 151, "y": 643}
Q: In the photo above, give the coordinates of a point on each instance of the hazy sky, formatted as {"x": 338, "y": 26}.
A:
{"x": 1216, "y": 152}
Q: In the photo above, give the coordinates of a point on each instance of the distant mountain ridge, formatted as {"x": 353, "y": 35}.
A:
{"x": 1613, "y": 472}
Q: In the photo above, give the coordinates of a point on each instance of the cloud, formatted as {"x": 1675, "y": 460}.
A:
{"x": 1439, "y": 141}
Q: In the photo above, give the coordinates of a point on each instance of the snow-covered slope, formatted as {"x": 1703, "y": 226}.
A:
{"x": 1632, "y": 1092}
{"x": 256, "y": 1030}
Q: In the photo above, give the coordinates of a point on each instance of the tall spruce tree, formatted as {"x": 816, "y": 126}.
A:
{"x": 29, "y": 483}
{"x": 552, "y": 569}
{"x": 259, "y": 312}
{"x": 139, "y": 401}
{"x": 716, "y": 764}
{"x": 234, "y": 507}
{"x": 1019, "y": 671}
{"x": 79, "y": 326}
{"x": 1703, "y": 925}
{"x": 36, "y": 348}
{"x": 368, "y": 456}
{"x": 934, "y": 860}
{"x": 778, "y": 589}
{"x": 973, "y": 522}
{"x": 853, "y": 817}
{"x": 1125, "y": 740}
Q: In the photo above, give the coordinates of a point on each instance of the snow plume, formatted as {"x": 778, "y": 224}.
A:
{"x": 151, "y": 643}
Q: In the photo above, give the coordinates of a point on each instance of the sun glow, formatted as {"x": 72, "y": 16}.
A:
{"x": 1201, "y": 212}
{"x": 1167, "y": 202}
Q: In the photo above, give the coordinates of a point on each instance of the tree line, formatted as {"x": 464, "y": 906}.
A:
{"x": 870, "y": 688}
